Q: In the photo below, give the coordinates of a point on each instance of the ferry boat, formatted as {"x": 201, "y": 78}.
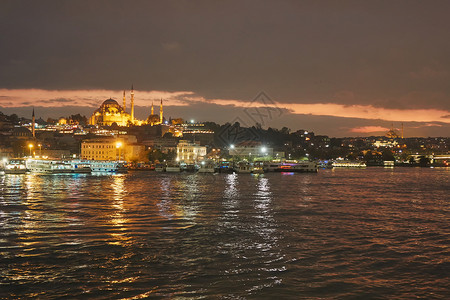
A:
{"x": 15, "y": 166}
{"x": 348, "y": 164}
{"x": 160, "y": 168}
{"x": 191, "y": 168}
{"x": 244, "y": 167}
{"x": 258, "y": 168}
{"x": 206, "y": 167}
{"x": 292, "y": 166}
{"x": 225, "y": 167}
{"x": 107, "y": 166}
{"x": 173, "y": 168}
{"x": 48, "y": 166}
{"x": 80, "y": 166}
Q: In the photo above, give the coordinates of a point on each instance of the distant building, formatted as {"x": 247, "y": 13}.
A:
{"x": 250, "y": 149}
{"x": 189, "y": 152}
{"x": 196, "y": 132}
{"x": 111, "y": 112}
{"x": 388, "y": 144}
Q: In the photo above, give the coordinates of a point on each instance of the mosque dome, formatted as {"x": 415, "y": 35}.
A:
{"x": 110, "y": 103}
{"x": 111, "y": 106}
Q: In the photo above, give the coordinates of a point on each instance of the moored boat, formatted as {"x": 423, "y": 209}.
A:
{"x": 160, "y": 168}
{"x": 292, "y": 166}
{"x": 348, "y": 164}
{"x": 80, "y": 166}
{"x": 15, "y": 166}
{"x": 173, "y": 168}
{"x": 107, "y": 166}
{"x": 206, "y": 167}
{"x": 258, "y": 167}
{"x": 244, "y": 167}
{"x": 48, "y": 166}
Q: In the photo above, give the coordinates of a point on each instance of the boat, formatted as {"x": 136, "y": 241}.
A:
{"x": 173, "y": 168}
{"x": 188, "y": 168}
{"x": 206, "y": 167}
{"x": 160, "y": 168}
{"x": 107, "y": 166}
{"x": 225, "y": 167}
{"x": 348, "y": 164}
{"x": 244, "y": 167}
{"x": 258, "y": 167}
{"x": 271, "y": 166}
{"x": 48, "y": 166}
{"x": 80, "y": 166}
{"x": 15, "y": 166}
{"x": 305, "y": 167}
{"x": 292, "y": 166}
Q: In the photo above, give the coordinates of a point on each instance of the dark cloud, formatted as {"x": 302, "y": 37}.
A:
{"x": 390, "y": 54}
{"x": 59, "y": 100}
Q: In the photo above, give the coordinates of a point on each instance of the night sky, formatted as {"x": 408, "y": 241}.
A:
{"x": 340, "y": 68}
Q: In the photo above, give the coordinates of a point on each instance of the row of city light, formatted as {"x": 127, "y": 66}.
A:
{"x": 263, "y": 148}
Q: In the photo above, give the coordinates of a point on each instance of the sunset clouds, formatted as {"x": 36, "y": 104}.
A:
{"x": 93, "y": 98}
{"x": 337, "y": 69}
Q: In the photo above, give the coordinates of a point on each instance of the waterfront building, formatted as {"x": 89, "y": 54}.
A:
{"x": 110, "y": 148}
{"x": 250, "y": 149}
{"x": 189, "y": 152}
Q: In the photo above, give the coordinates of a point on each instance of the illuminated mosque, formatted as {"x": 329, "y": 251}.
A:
{"x": 111, "y": 112}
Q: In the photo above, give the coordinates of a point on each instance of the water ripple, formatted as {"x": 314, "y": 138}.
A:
{"x": 370, "y": 233}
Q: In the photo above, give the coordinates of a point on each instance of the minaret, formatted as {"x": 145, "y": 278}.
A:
{"x": 402, "y": 130}
{"x": 33, "y": 122}
{"x": 152, "y": 109}
{"x": 124, "y": 101}
{"x": 161, "y": 113}
{"x": 132, "y": 104}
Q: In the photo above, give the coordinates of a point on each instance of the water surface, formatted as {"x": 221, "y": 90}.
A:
{"x": 357, "y": 234}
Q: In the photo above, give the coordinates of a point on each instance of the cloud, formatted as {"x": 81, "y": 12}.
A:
{"x": 55, "y": 98}
{"x": 93, "y": 98}
{"x": 369, "y": 129}
{"x": 428, "y": 73}
{"x": 171, "y": 46}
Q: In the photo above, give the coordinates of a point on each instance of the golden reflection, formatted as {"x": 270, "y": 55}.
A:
{"x": 191, "y": 207}
{"x": 171, "y": 190}
{"x": 231, "y": 197}
{"x": 118, "y": 210}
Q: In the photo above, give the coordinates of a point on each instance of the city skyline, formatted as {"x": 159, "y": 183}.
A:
{"x": 347, "y": 69}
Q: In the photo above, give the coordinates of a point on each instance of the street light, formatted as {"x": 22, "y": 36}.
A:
{"x": 118, "y": 146}
{"x": 31, "y": 147}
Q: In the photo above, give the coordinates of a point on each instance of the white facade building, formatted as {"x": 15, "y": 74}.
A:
{"x": 189, "y": 153}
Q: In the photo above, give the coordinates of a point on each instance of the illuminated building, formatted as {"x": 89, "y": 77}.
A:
{"x": 111, "y": 112}
{"x": 123, "y": 148}
{"x": 190, "y": 152}
{"x": 392, "y": 134}
{"x": 154, "y": 119}
{"x": 196, "y": 132}
{"x": 33, "y": 124}
{"x": 250, "y": 149}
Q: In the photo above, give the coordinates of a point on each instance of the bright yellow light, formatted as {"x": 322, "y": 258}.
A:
{"x": 30, "y": 145}
{"x": 118, "y": 144}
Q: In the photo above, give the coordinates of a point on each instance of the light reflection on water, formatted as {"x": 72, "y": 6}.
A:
{"x": 379, "y": 233}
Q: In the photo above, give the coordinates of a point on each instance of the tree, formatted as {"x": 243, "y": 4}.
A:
{"x": 424, "y": 161}
{"x": 388, "y": 156}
